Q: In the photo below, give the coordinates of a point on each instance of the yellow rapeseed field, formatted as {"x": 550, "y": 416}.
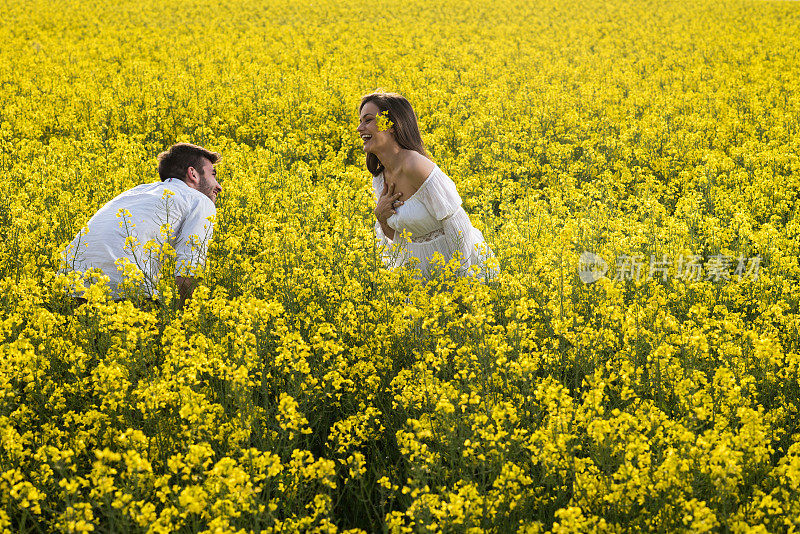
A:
{"x": 306, "y": 388}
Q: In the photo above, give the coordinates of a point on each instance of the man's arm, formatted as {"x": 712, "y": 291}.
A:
{"x": 186, "y": 285}
{"x": 192, "y": 240}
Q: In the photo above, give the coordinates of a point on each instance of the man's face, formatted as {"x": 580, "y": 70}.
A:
{"x": 207, "y": 180}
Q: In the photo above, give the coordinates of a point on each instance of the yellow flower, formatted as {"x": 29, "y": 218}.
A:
{"x": 384, "y": 124}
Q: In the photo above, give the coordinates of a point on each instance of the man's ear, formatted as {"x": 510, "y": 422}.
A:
{"x": 192, "y": 178}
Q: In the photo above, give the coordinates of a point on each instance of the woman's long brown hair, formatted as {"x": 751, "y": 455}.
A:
{"x": 406, "y": 130}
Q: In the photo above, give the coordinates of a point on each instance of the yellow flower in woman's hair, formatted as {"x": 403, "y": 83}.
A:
{"x": 384, "y": 123}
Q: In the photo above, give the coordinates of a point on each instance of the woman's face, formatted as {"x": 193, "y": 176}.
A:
{"x": 372, "y": 137}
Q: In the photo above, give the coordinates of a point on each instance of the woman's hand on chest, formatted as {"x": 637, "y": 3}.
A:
{"x": 387, "y": 203}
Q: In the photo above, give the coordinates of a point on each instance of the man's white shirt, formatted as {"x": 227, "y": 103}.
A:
{"x": 131, "y": 229}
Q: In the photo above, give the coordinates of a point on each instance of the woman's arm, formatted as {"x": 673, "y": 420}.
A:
{"x": 387, "y": 230}
{"x": 457, "y": 227}
{"x": 442, "y": 200}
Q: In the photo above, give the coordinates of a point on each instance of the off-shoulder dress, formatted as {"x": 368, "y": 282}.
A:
{"x": 432, "y": 220}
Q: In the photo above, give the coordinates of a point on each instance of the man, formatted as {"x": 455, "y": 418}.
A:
{"x": 132, "y": 236}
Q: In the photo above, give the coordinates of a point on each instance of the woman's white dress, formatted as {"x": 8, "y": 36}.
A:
{"x": 430, "y": 221}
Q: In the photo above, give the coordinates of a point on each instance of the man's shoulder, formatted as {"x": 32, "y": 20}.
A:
{"x": 150, "y": 188}
{"x": 197, "y": 199}
{"x": 205, "y": 205}
{"x": 174, "y": 192}
{"x": 197, "y": 202}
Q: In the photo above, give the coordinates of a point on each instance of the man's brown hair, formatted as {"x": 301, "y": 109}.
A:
{"x": 174, "y": 162}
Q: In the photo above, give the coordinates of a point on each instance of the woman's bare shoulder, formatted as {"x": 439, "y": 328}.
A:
{"x": 419, "y": 169}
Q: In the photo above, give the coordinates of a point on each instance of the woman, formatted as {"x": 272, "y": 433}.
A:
{"x": 418, "y": 209}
